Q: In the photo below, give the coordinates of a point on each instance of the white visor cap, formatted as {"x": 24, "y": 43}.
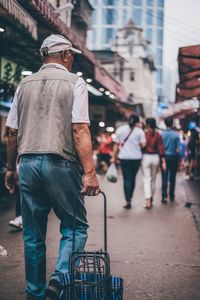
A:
{"x": 56, "y": 43}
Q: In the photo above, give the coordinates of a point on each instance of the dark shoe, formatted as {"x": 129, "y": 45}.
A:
{"x": 127, "y": 206}
{"x": 53, "y": 291}
{"x": 164, "y": 201}
{"x": 172, "y": 199}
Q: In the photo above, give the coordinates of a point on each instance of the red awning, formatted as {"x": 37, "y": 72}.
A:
{"x": 189, "y": 72}
{"x": 187, "y": 93}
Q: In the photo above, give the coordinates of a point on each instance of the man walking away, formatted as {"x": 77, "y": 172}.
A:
{"x": 172, "y": 147}
{"x": 48, "y": 122}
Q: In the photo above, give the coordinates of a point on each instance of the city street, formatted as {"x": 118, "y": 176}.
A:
{"x": 91, "y": 82}
{"x": 157, "y": 252}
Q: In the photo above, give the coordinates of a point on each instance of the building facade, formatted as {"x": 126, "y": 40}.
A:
{"x": 110, "y": 15}
{"x": 132, "y": 66}
{"x": 76, "y": 14}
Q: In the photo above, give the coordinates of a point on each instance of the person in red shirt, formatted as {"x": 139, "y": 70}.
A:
{"x": 153, "y": 155}
{"x": 105, "y": 151}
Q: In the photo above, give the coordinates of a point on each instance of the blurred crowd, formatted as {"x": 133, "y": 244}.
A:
{"x": 190, "y": 143}
{"x": 190, "y": 151}
{"x": 144, "y": 144}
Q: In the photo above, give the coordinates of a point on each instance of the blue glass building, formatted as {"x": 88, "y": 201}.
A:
{"x": 110, "y": 15}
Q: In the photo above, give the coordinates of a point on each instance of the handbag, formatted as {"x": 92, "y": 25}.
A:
{"x": 111, "y": 174}
{"x": 125, "y": 140}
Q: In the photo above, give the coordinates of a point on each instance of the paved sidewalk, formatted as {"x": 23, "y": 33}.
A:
{"x": 157, "y": 252}
{"x": 192, "y": 190}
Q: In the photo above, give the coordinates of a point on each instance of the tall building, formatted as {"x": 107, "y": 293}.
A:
{"x": 110, "y": 15}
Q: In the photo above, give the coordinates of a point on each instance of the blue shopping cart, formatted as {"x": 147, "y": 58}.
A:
{"x": 90, "y": 277}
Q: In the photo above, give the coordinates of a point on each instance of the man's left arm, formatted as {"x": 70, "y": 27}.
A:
{"x": 10, "y": 177}
{"x": 12, "y": 125}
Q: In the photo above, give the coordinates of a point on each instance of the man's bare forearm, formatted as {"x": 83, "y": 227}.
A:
{"x": 83, "y": 146}
{"x": 12, "y": 150}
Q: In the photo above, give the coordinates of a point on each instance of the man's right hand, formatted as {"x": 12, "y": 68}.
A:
{"x": 10, "y": 181}
{"x": 83, "y": 146}
{"x": 90, "y": 184}
{"x": 163, "y": 165}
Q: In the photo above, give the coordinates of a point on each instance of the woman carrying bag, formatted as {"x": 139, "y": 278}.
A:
{"x": 153, "y": 156}
{"x": 129, "y": 141}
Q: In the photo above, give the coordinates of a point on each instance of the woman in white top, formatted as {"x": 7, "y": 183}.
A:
{"x": 129, "y": 141}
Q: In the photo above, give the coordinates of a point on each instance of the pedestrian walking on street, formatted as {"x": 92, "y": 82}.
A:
{"x": 49, "y": 123}
{"x": 192, "y": 150}
{"x": 104, "y": 151}
{"x": 172, "y": 145}
{"x": 129, "y": 141}
{"x": 17, "y": 221}
{"x": 153, "y": 157}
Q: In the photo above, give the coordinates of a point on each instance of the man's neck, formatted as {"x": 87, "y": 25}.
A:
{"x": 51, "y": 64}
{"x": 57, "y": 61}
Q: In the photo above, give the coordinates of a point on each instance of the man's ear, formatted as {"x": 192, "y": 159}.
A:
{"x": 64, "y": 55}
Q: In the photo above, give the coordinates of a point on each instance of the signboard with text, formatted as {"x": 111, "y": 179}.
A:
{"x": 10, "y": 72}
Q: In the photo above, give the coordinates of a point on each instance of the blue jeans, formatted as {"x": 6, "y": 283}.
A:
{"x": 48, "y": 181}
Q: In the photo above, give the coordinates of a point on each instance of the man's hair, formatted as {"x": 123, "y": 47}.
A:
{"x": 169, "y": 122}
{"x": 44, "y": 53}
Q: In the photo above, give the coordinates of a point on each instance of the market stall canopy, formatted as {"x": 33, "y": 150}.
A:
{"x": 180, "y": 110}
{"x": 189, "y": 73}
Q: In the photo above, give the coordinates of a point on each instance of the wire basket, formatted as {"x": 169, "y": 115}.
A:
{"x": 90, "y": 275}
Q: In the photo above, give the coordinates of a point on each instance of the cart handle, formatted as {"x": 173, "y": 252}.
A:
{"x": 105, "y": 221}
